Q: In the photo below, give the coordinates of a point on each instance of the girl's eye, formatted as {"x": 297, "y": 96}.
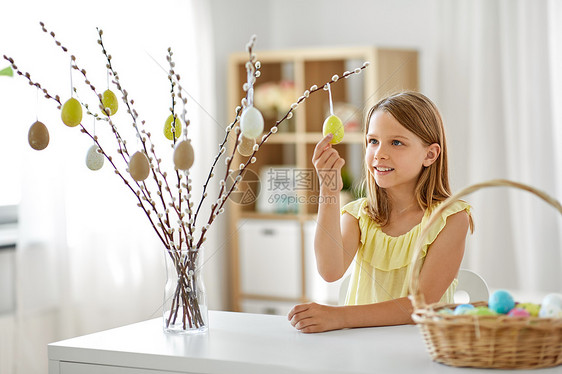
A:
{"x": 396, "y": 142}
{"x": 373, "y": 141}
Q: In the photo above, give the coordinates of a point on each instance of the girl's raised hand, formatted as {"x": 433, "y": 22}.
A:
{"x": 328, "y": 163}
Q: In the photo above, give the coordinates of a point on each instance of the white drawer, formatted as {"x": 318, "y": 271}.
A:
{"x": 270, "y": 258}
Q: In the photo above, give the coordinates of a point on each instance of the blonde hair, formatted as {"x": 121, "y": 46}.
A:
{"x": 419, "y": 115}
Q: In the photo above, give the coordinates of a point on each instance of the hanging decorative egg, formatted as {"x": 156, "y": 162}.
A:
{"x": 38, "y": 136}
{"x": 109, "y": 101}
{"x": 333, "y": 125}
{"x": 94, "y": 159}
{"x": 71, "y": 113}
{"x": 246, "y": 146}
{"x": 139, "y": 168}
{"x": 251, "y": 122}
{"x": 168, "y": 128}
{"x": 183, "y": 155}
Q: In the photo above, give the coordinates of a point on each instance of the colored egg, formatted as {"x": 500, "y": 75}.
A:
{"x": 446, "y": 311}
{"x": 550, "y": 311}
{"x": 109, "y": 101}
{"x": 38, "y": 136}
{"x": 246, "y": 146}
{"x": 333, "y": 125}
{"x": 71, "y": 113}
{"x": 501, "y": 301}
{"x": 532, "y": 308}
{"x": 139, "y": 168}
{"x": 519, "y": 312}
{"x": 94, "y": 159}
{"x": 462, "y": 309}
{"x": 551, "y": 306}
{"x": 168, "y": 128}
{"x": 183, "y": 155}
{"x": 251, "y": 122}
{"x": 553, "y": 299}
{"x": 481, "y": 311}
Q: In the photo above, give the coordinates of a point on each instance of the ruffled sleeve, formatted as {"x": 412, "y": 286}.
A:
{"x": 357, "y": 210}
{"x": 387, "y": 253}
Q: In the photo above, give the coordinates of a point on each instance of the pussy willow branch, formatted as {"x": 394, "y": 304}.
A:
{"x": 271, "y": 131}
{"x": 165, "y": 225}
{"x": 220, "y": 197}
{"x": 121, "y": 143}
{"x": 56, "y": 98}
{"x": 177, "y": 208}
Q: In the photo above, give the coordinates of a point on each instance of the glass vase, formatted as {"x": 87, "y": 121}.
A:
{"x": 185, "y": 301}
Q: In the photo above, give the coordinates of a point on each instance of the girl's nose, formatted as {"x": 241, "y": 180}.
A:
{"x": 380, "y": 153}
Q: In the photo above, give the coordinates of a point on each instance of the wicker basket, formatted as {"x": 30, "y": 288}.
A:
{"x": 485, "y": 341}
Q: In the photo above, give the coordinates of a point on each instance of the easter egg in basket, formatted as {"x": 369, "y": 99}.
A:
{"x": 551, "y": 306}
{"x": 532, "y": 308}
{"x": 501, "y": 302}
{"x": 462, "y": 309}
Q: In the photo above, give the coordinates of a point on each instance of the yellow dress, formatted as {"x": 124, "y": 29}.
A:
{"x": 381, "y": 265}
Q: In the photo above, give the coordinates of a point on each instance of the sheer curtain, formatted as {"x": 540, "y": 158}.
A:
{"x": 501, "y": 93}
{"x": 87, "y": 259}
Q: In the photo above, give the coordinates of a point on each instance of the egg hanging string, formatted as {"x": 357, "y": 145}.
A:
{"x": 331, "y": 102}
{"x": 71, "y": 85}
{"x": 37, "y": 105}
{"x": 251, "y": 80}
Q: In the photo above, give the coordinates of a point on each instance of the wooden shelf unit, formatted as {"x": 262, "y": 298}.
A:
{"x": 390, "y": 70}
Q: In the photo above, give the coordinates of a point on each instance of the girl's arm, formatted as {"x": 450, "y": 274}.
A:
{"x": 438, "y": 272}
{"x": 335, "y": 242}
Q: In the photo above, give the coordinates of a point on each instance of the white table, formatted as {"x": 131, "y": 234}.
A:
{"x": 250, "y": 343}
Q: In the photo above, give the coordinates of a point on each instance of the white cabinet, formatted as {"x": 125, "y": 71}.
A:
{"x": 278, "y": 266}
{"x": 270, "y": 258}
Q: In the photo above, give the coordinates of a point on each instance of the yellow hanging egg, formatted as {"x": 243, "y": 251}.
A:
{"x": 333, "y": 125}
{"x": 71, "y": 113}
{"x": 139, "y": 168}
{"x": 168, "y": 128}
{"x": 38, "y": 136}
{"x": 109, "y": 101}
{"x": 183, "y": 155}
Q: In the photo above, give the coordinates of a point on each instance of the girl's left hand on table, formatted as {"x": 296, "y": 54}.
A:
{"x": 313, "y": 317}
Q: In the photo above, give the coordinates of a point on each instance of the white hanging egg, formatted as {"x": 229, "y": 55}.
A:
{"x": 251, "y": 122}
{"x": 139, "y": 168}
{"x": 94, "y": 159}
{"x": 183, "y": 155}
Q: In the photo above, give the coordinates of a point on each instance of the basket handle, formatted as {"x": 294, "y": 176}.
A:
{"x": 416, "y": 297}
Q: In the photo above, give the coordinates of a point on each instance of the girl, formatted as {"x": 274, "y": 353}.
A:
{"x": 406, "y": 177}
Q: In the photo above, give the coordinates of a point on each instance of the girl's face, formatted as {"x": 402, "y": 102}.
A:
{"x": 394, "y": 155}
